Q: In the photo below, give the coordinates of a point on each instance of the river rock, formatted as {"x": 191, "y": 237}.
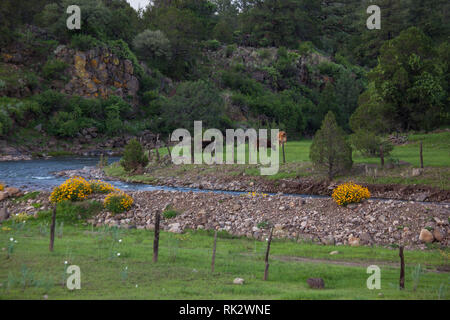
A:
{"x": 353, "y": 241}
{"x": 426, "y": 236}
{"x": 175, "y": 228}
{"x": 3, "y": 195}
{"x": 437, "y": 235}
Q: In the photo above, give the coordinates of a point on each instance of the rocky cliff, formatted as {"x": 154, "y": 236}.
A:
{"x": 98, "y": 73}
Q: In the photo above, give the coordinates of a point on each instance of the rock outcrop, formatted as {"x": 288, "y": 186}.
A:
{"x": 98, "y": 73}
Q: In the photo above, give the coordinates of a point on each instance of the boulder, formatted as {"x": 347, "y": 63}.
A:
{"x": 175, "y": 228}
{"x": 316, "y": 283}
{"x": 3, "y": 195}
{"x": 437, "y": 234}
{"x": 426, "y": 236}
{"x": 353, "y": 241}
{"x": 238, "y": 281}
{"x": 12, "y": 191}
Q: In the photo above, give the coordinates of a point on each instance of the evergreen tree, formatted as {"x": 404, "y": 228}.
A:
{"x": 330, "y": 152}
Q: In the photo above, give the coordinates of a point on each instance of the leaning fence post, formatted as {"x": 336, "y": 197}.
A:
{"x": 266, "y": 259}
{"x": 382, "y": 156}
{"x": 421, "y": 155}
{"x": 402, "y": 268}
{"x": 156, "y": 239}
{"x": 52, "y": 229}
{"x": 213, "y": 260}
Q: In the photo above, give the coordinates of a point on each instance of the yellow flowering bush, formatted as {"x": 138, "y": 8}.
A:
{"x": 22, "y": 217}
{"x": 99, "y": 186}
{"x": 118, "y": 202}
{"x": 350, "y": 193}
{"x": 73, "y": 189}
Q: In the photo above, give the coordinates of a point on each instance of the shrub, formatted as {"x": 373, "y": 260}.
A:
{"x": 22, "y": 217}
{"x": 212, "y": 44}
{"x": 152, "y": 44}
{"x": 73, "y": 189}
{"x": 170, "y": 213}
{"x": 133, "y": 157}
{"x": 330, "y": 151}
{"x": 368, "y": 143}
{"x": 84, "y": 42}
{"x": 118, "y": 202}
{"x": 53, "y": 69}
{"x": 73, "y": 212}
{"x": 99, "y": 186}
{"x": 230, "y": 50}
{"x": 350, "y": 192}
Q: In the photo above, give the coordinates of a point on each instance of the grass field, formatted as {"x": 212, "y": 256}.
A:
{"x": 183, "y": 270}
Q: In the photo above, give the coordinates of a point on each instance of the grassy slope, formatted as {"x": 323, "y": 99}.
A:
{"x": 183, "y": 270}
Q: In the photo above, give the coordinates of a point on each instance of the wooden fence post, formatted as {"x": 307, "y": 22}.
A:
{"x": 156, "y": 239}
{"x": 284, "y": 155}
{"x": 402, "y": 268}
{"x": 382, "y": 156}
{"x": 421, "y": 155}
{"x": 52, "y": 229}
{"x": 266, "y": 259}
{"x": 213, "y": 261}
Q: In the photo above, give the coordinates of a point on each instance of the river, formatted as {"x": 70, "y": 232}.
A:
{"x": 39, "y": 175}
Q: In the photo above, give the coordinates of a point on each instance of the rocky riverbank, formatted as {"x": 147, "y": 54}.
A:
{"x": 372, "y": 222}
{"x": 307, "y": 186}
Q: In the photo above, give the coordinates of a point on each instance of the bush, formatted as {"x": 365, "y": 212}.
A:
{"x": 170, "y": 214}
{"x": 73, "y": 212}
{"x": 84, "y": 42}
{"x": 230, "y": 50}
{"x": 350, "y": 192}
{"x": 330, "y": 151}
{"x": 99, "y": 186}
{"x": 212, "y": 44}
{"x": 53, "y": 69}
{"x": 133, "y": 157}
{"x": 22, "y": 217}
{"x": 73, "y": 189}
{"x": 368, "y": 143}
{"x": 152, "y": 44}
{"x": 118, "y": 202}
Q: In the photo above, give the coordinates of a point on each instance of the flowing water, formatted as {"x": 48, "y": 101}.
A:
{"x": 39, "y": 175}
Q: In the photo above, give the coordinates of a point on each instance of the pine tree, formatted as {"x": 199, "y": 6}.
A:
{"x": 330, "y": 152}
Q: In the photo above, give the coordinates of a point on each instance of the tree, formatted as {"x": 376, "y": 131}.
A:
{"x": 282, "y": 23}
{"x": 409, "y": 79}
{"x": 330, "y": 152}
{"x": 194, "y": 100}
{"x": 152, "y": 46}
{"x": 133, "y": 158}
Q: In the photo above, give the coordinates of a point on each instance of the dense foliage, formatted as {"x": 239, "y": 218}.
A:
{"x": 374, "y": 81}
